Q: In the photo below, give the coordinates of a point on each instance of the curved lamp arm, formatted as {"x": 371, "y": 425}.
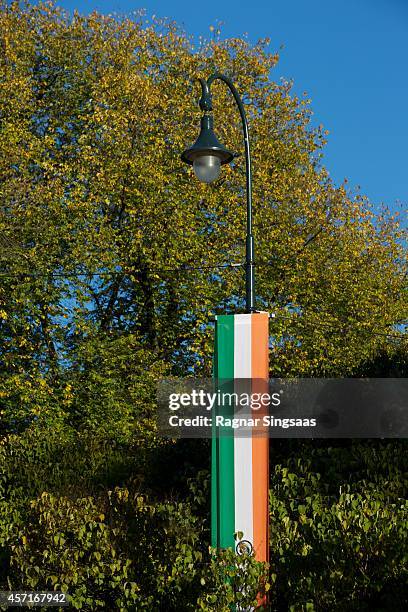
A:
{"x": 206, "y": 106}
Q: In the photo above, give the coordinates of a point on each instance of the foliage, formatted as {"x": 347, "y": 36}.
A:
{"x": 98, "y": 218}
{"x": 92, "y": 183}
{"x": 132, "y": 555}
{"x": 340, "y": 543}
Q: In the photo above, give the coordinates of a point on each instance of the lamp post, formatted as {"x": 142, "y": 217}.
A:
{"x": 207, "y": 155}
{"x": 239, "y": 464}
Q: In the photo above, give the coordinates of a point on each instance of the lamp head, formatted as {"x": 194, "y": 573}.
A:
{"x": 207, "y": 154}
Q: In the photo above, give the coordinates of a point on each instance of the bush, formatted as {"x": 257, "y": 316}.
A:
{"x": 126, "y": 553}
{"x": 339, "y": 549}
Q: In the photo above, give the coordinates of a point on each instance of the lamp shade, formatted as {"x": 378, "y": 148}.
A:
{"x": 207, "y": 144}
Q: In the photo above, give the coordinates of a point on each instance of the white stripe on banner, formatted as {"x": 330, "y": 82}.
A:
{"x": 243, "y": 446}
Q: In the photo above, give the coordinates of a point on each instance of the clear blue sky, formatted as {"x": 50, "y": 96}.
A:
{"x": 351, "y": 56}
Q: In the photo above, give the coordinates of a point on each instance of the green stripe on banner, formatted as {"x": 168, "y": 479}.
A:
{"x": 225, "y": 472}
{"x": 215, "y": 537}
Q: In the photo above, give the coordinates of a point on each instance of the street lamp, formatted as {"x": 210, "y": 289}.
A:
{"x": 207, "y": 155}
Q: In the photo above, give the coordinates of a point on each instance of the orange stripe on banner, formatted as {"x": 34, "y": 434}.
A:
{"x": 260, "y": 440}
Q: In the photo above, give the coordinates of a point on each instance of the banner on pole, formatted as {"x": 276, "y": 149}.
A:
{"x": 240, "y": 465}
